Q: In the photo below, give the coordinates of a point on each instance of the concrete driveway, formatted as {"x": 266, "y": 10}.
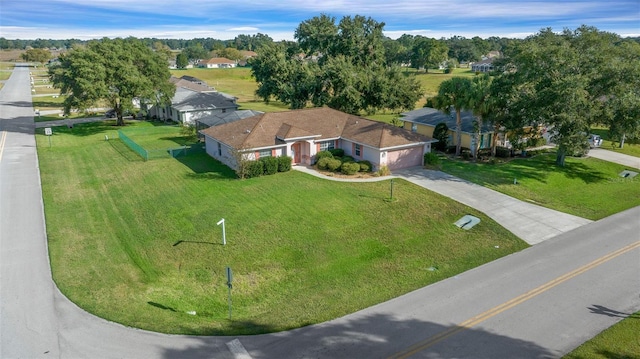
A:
{"x": 612, "y": 156}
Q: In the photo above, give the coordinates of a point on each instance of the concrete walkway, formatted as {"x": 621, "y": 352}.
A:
{"x": 616, "y": 157}
{"x": 531, "y": 223}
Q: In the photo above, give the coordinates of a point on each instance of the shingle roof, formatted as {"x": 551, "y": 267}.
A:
{"x": 431, "y": 117}
{"x": 270, "y": 129}
{"x": 218, "y": 60}
{"x": 187, "y": 84}
{"x": 222, "y": 118}
{"x": 187, "y": 100}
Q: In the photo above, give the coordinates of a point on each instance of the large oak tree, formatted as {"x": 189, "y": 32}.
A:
{"x": 115, "y": 71}
{"x": 342, "y": 66}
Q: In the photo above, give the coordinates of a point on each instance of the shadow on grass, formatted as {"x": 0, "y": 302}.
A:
{"x": 197, "y": 242}
{"x": 206, "y": 167}
{"x": 366, "y": 336}
{"x": 160, "y": 306}
{"x": 124, "y": 151}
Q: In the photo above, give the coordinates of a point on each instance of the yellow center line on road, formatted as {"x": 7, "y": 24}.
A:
{"x": 467, "y": 324}
{"x": 3, "y": 139}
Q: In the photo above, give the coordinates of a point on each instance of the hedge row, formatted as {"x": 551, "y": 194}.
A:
{"x": 330, "y": 161}
{"x": 267, "y": 166}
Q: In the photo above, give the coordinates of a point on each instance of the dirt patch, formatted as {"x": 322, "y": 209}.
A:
{"x": 11, "y": 55}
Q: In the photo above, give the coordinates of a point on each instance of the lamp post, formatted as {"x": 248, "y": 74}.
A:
{"x": 224, "y": 235}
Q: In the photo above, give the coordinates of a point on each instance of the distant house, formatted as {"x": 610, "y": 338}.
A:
{"x": 217, "y": 63}
{"x": 425, "y": 120}
{"x": 300, "y": 134}
{"x": 246, "y": 55}
{"x": 191, "y": 83}
{"x": 188, "y": 106}
{"x": 483, "y": 66}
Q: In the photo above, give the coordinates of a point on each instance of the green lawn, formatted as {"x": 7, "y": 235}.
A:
{"x": 621, "y": 341}
{"x": 4, "y": 75}
{"x": 137, "y": 243}
{"x": 585, "y": 187}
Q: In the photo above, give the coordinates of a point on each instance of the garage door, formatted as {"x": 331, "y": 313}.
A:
{"x": 409, "y": 157}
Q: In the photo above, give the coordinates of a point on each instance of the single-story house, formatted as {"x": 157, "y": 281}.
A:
{"x": 217, "y": 63}
{"x": 188, "y": 106}
{"x": 485, "y": 65}
{"x": 300, "y": 134}
{"x": 191, "y": 83}
{"x": 425, "y": 120}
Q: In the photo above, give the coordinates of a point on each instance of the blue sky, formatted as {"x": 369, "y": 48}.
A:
{"x": 186, "y": 19}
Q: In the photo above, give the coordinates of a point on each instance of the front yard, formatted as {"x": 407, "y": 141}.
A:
{"x": 137, "y": 242}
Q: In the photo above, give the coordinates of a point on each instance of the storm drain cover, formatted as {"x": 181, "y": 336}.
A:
{"x": 467, "y": 222}
{"x": 628, "y": 174}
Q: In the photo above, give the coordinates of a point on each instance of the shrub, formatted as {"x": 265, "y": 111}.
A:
{"x": 503, "y": 152}
{"x": 349, "y": 168}
{"x": 441, "y": 133}
{"x": 270, "y": 165}
{"x": 322, "y": 154}
{"x": 337, "y": 152}
{"x": 431, "y": 159}
{"x": 333, "y": 164}
{"x": 346, "y": 159}
{"x": 384, "y": 171}
{"x": 254, "y": 169}
{"x": 365, "y": 166}
{"x": 284, "y": 163}
{"x": 323, "y": 163}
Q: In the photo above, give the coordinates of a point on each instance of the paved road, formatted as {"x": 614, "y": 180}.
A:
{"x": 538, "y": 303}
{"x": 612, "y": 156}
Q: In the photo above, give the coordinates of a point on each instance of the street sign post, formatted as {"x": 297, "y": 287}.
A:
{"x": 48, "y": 133}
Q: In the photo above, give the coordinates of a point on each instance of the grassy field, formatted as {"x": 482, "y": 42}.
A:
{"x": 621, "y": 341}
{"x": 585, "y": 187}
{"x": 137, "y": 243}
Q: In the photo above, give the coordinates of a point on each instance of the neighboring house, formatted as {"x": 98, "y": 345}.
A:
{"x": 425, "y": 120}
{"x": 246, "y": 55}
{"x": 483, "y": 66}
{"x": 217, "y": 63}
{"x": 188, "y": 106}
{"x": 300, "y": 134}
{"x": 222, "y": 118}
{"x": 191, "y": 83}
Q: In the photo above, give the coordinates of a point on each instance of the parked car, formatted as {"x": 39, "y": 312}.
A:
{"x": 111, "y": 113}
{"x": 594, "y": 140}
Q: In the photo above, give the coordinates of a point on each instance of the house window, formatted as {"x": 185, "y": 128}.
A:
{"x": 264, "y": 153}
{"x": 219, "y": 149}
{"x": 414, "y": 127}
{"x": 358, "y": 150}
{"x": 327, "y": 145}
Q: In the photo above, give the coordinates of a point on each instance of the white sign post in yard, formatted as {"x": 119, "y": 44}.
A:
{"x": 224, "y": 235}
{"x": 48, "y": 133}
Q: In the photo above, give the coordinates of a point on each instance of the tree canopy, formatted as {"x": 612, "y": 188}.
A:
{"x": 36, "y": 55}
{"x": 569, "y": 81}
{"x": 115, "y": 71}
{"x": 339, "y": 65}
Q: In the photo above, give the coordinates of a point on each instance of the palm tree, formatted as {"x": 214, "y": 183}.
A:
{"x": 454, "y": 93}
{"x": 480, "y": 104}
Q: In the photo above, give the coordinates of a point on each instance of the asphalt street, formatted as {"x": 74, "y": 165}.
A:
{"x": 538, "y": 303}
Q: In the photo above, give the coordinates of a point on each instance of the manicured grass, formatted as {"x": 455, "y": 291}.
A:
{"x": 137, "y": 243}
{"x": 234, "y": 81}
{"x": 6, "y": 65}
{"x": 630, "y": 148}
{"x": 4, "y": 75}
{"x": 47, "y": 102}
{"x": 163, "y": 137}
{"x": 621, "y": 341}
{"x": 585, "y": 187}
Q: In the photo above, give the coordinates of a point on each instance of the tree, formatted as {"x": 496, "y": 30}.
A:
{"x": 428, "y": 53}
{"x": 196, "y": 52}
{"x": 441, "y": 133}
{"x": 350, "y": 73}
{"x": 116, "y": 71}
{"x": 550, "y": 81}
{"x": 230, "y": 53}
{"x": 480, "y": 103}
{"x": 454, "y": 93}
{"x": 162, "y": 50}
{"x": 182, "y": 61}
{"x": 36, "y": 55}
